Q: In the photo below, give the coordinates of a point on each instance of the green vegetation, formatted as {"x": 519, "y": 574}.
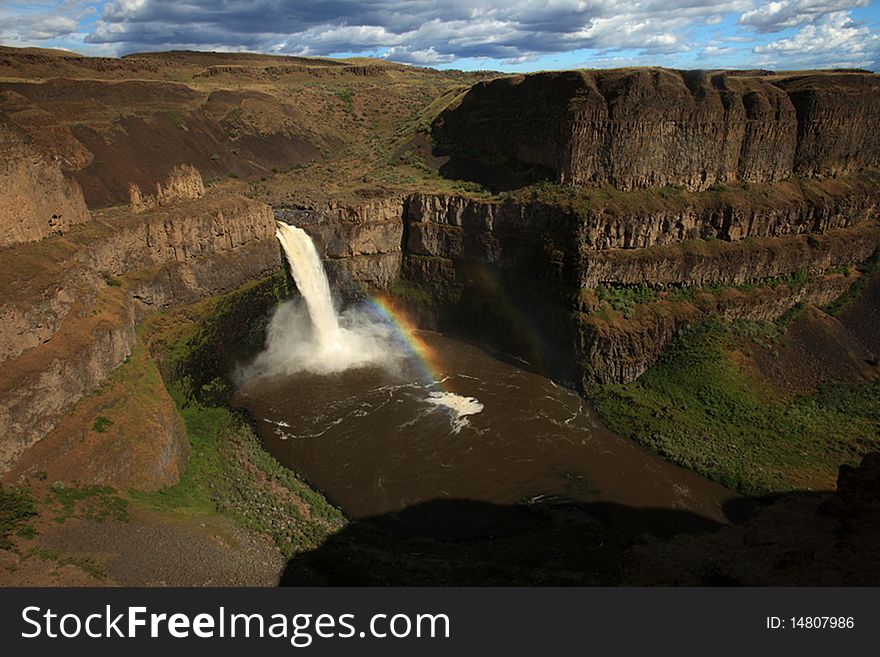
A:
{"x": 867, "y": 270}
{"x": 95, "y": 503}
{"x": 229, "y": 471}
{"x": 408, "y": 292}
{"x": 111, "y": 280}
{"x": 698, "y": 408}
{"x": 17, "y": 508}
{"x": 101, "y": 424}
{"x": 86, "y": 564}
{"x": 347, "y": 98}
{"x": 624, "y": 299}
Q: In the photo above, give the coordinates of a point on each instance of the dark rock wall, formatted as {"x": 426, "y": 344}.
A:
{"x": 641, "y": 128}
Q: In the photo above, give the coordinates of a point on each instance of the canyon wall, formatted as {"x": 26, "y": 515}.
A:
{"x": 652, "y": 127}
{"x": 71, "y": 304}
{"x": 360, "y": 242}
{"x": 526, "y": 272}
{"x": 36, "y": 198}
{"x": 522, "y": 274}
{"x": 184, "y": 182}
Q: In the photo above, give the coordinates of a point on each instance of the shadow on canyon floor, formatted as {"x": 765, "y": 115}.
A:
{"x": 795, "y": 539}
{"x": 466, "y": 542}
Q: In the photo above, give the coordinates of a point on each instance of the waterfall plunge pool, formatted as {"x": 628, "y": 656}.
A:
{"x": 381, "y": 416}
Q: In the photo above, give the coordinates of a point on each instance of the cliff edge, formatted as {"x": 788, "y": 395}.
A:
{"x": 653, "y": 127}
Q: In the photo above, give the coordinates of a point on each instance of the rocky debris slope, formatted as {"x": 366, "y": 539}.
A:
{"x": 652, "y": 127}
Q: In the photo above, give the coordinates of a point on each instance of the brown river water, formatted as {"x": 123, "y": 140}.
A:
{"x": 376, "y": 441}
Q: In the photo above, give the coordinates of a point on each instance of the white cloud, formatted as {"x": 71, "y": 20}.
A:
{"x": 834, "y": 41}
{"x": 777, "y": 16}
{"x": 433, "y": 32}
{"x": 427, "y": 57}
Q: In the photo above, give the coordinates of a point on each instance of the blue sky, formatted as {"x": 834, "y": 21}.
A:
{"x": 508, "y": 35}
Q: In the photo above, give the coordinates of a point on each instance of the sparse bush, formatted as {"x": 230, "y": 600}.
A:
{"x": 102, "y": 424}
{"x": 17, "y": 507}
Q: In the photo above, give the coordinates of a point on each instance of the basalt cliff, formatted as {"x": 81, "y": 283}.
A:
{"x": 642, "y": 128}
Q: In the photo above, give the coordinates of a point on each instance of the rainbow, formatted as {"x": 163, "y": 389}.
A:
{"x": 407, "y": 335}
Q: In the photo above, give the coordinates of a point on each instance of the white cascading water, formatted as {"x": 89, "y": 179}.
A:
{"x": 338, "y": 342}
{"x": 308, "y": 272}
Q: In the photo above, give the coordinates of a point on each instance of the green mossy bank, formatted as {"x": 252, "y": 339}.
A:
{"x": 700, "y": 407}
{"x": 197, "y": 349}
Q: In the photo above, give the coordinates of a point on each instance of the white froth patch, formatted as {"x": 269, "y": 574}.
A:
{"x": 459, "y": 405}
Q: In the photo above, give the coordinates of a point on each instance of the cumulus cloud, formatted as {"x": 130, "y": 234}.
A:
{"x": 437, "y": 31}
{"x": 426, "y": 57}
{"x": 834, "y": 41}
{"x": 27, "y": 22}
{"x": 776, "y": 16}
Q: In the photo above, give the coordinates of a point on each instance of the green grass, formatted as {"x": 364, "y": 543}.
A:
{"x": 111, "y": 280}
{"x": 624, "y": 299}
{"x": 17, "y": 508}
{"x": 867, "y": 270}
{"x": 698, "y": 409}
{"x": 347, "y": 98}
{"x": 412, "y": 293}
{"x": 230, "y": 472}
{"x": 86, "y": 564}
{"x": 95, "y": 503}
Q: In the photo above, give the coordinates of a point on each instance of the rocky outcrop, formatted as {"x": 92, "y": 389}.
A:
{"x": 651, "y": 127}
{"x": 716, "y": 262}
{"x": 90, "y": 297}
{"x": 360, "y": 242}
{"x": 141, "y": 444}
{"x": 618, "y": 350}
{"x": 169, "y": 248}
{"x": 184, "y": 182}
{"x": 521, "y": 266}
{"x": 641, "y": 222}
{"x": 36, "y": 199}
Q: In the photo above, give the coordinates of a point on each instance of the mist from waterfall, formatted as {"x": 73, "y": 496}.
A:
{"x": 307, "y": 334}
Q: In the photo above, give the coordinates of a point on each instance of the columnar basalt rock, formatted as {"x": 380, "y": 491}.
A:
{"x": 651, "y": 127}
{"x": 360, "y": 242}
{"x": 36, "y": 199}
{"x": 83, "y": 325}
{"x": 184, "y": 182}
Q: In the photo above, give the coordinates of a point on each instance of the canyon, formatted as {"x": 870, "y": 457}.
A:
{"x": 578, "y": 220}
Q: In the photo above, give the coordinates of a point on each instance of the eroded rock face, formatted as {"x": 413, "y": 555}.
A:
{"x": 360, "y": 243}
{"x": 36, "y": 199}
{"x": 523, "y": 266}
{"x": 699, "y": 262}
{"x": 82, "y": 327}
{"x": 641, "y": 128}
{"x": 184, "y": 182}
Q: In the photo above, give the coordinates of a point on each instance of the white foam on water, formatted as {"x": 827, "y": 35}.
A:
{"x": 460, "y": 407}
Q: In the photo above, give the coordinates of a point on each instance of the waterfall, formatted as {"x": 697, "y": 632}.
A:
{"x": 307, "y": 334}
{"x": 308, "y": 272}
{"x": 354, "y": 338}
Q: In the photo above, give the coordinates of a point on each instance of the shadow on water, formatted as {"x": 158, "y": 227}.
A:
{"x": 554, "y": 541}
